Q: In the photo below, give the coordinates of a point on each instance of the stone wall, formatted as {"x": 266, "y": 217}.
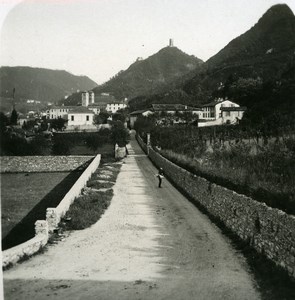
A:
{"x": 43, "y": 228}
{"x": 27, "y": 164}
{"x": 54, "y": 215}
{"x": 30, "y": 247}
{"x": 269, "y": 230}
{"x": 141, "y": 143}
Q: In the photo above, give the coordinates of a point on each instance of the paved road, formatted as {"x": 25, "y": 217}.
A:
{"x": 150, "y": 244}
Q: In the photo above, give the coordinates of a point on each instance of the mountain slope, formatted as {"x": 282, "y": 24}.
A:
{"x": 266, "y": 51}
{"x": 40, "y": 84}
{"x": 146, "y": 77}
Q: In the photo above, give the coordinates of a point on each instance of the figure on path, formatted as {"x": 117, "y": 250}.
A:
{"x": 160, "y": 176}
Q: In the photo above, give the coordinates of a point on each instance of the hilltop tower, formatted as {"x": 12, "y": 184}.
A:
{"x": 171, "y": 44}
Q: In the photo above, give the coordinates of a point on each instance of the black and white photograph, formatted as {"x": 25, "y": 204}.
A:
{"x": 147, "y": 149}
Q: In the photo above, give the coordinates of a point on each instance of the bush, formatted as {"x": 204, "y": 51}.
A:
{"x": 119, "y": 134}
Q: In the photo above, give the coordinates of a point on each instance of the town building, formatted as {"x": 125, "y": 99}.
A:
{"x": 136, "y": 114}
{"x": 80, "y": 118}
{"x": 221, "y": 111}
{"x": 176, "y": 108}
{"x": 115, "y": 106}
{"x": 56, "y": 112}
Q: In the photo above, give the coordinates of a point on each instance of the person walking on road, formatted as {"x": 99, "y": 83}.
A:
{"x": 160, "y": 176}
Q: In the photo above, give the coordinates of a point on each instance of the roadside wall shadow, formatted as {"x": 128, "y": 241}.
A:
{"x": 25, "y": 229}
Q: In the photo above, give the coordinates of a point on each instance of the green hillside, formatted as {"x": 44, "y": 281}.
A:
{"x": 40, "y": 84}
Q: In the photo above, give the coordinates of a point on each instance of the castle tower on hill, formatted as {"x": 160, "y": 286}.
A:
{"x": 171, "y": 44}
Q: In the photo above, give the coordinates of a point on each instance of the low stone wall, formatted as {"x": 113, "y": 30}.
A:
{"x": 141, "y": 143}
{"x": 30, "y": 247}
{"x": 270, "y": 231}
{"x": 27, "y": 164}
{"x": 53, "y": 216}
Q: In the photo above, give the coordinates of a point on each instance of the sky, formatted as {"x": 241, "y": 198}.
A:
{"x": 98, "y": 38}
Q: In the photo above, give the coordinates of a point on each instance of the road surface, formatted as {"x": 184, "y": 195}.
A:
{"x": 151, "y": 243}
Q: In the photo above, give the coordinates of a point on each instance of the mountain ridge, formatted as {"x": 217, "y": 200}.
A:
{"x": 146, "y": 77}
{"x": 45, "y": 85}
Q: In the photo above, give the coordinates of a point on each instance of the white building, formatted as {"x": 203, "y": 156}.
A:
{"x": 177, "y": 108}
{"x": 135, "y": 114}
{"x": 80, "y": 118}
{"x": 56, "y": 112}
{"x": 221, "y": 112}
{"x": 115, "y": 106}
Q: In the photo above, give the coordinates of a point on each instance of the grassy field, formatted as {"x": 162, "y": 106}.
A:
{"x": 24, "y": 199}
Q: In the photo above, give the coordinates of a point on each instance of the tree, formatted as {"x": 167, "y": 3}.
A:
{"x": 61, "y": 145}
{"x": 119, "y": 117}
{"x": 13, "y": 117}
{"x": 119, "y": 134}
{"x": 3, "y": 122}
{"x": 58, "y": 124}
{"x": 102, "y": 118}
{"x": 93, "y": 142}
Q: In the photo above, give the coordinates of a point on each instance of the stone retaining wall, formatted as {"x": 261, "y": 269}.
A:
{"x": 27, "y": 164}
{"x": 141, "y": 143}
{"x": 53, "y": 216}
{"x": 270, "y": 231}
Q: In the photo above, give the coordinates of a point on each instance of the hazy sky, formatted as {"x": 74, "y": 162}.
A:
{"x": 98, "y": 38}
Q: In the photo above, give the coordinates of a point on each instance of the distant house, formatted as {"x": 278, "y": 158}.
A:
{"x": 80, "y": 118}
{"x": 221, "y": 111}
{"x": 56, "y": 112}
{"x": 115, "y": 106}
{"x": 174, "y": 108}
{"x": 232, "y": 115}
{"x": 95, "y": 108}
{"x": 135, "y": 114}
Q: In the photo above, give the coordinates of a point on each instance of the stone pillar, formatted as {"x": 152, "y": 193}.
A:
{"x": 41, "y": 227}
{"x": 148, "y": 142}
{"x": 51, "y": 218}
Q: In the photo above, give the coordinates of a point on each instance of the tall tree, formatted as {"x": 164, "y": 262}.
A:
{"x": 13, "y": 117}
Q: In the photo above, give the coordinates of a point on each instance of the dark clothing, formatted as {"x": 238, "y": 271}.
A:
{"x": 160, "y": 176}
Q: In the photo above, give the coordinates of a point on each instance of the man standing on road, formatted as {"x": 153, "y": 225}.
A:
{"x": 160, "y": 176}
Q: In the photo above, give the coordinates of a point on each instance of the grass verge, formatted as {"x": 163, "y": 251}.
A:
{"x": 95, "y": 198}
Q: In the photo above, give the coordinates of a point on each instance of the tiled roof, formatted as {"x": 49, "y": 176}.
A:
{"x": 173, "y": 107}
{"x": 61, "y": 107}
{"x": 81, "y": 110}
{"x": 138, "y": 112}
{"x": 239, "y": 108}
{"x": 213, "y": 103}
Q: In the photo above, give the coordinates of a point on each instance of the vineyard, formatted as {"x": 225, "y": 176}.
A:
{"x": 256, "y": 163}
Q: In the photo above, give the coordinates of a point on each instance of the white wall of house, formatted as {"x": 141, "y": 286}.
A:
{"x": 114, "y": 107}
{"x": 214, "y": 112}
{"x": 55, "y": 113}
{"x": 76, "y": 119}
{"x": 231, "y": 117}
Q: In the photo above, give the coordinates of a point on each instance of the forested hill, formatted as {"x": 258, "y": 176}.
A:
{"x": 256, "y": 69}
{"x": 266, "y": 51}
{"x": 151, "y": 75}
{"x": 40, "y": 84}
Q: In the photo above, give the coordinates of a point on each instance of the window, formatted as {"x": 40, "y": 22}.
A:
{"x": 227, "y": 113}
{"x": 72, "y": 118}
{"x": 87, "y": 118}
